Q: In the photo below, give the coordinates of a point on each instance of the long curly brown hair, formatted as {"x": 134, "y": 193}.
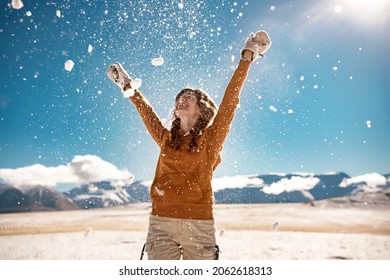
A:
{"x": 208, "y": 110}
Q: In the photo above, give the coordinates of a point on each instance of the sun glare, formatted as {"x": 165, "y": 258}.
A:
{"x": 365, "y": 11}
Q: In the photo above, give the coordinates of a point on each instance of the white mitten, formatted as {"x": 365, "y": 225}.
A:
{"x": 120, "y": 77}
{"x": 257, "y": 43}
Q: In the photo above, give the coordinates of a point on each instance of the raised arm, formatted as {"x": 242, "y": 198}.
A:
{"x": 255, "y": 46}
{"x": 227, "y": 108}
{"x": 152, "y": 122}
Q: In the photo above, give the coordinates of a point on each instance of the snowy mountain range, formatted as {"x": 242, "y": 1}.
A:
{"x": 36, "y": 198}
{"x": 271, "y": 188}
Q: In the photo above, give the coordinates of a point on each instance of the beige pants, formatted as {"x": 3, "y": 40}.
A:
{"x": 172, "y": 239}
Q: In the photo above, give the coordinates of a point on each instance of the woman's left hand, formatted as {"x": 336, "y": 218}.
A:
{"x": 257, "y": 43}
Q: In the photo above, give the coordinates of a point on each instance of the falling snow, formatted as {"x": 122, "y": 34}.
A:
{"x": 273, "y": 109}
{"x": 158, "y": 61}
{"x": 136, "y": 83}
{"x": 338, "y": 8}
{"x": 193, "y": 43}
{"x": 69, "y": 65}
{"x": 17, "y": 4}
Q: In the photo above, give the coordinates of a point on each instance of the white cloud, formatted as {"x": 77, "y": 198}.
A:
{"x": 371, "y": 180}
{"x": 235, "y": 182}
{"x": 81, "y": 170}
{"x": 295, "y": 183}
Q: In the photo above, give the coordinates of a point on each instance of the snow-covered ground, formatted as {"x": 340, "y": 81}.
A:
{"x": 263, "y": 231}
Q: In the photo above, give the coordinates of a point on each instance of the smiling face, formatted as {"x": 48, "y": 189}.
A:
{"x": 186, "y": 106}
{"x": 194, "y": 108}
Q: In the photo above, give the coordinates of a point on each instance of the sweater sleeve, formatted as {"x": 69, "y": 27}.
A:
{"x": 227, "y": 108}
{"x": 149, "y": 117}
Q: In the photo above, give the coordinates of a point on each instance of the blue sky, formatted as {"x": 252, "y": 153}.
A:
{"x": 318, "y": 102}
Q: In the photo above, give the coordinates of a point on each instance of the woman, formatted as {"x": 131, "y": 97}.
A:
{"x": 181, "y": 223}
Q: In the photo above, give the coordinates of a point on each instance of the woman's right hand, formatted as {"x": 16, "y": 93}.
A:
{"x": 120, "y": 77}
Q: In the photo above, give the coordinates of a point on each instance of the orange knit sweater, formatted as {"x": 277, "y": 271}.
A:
{"x": 182, "y": 184}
